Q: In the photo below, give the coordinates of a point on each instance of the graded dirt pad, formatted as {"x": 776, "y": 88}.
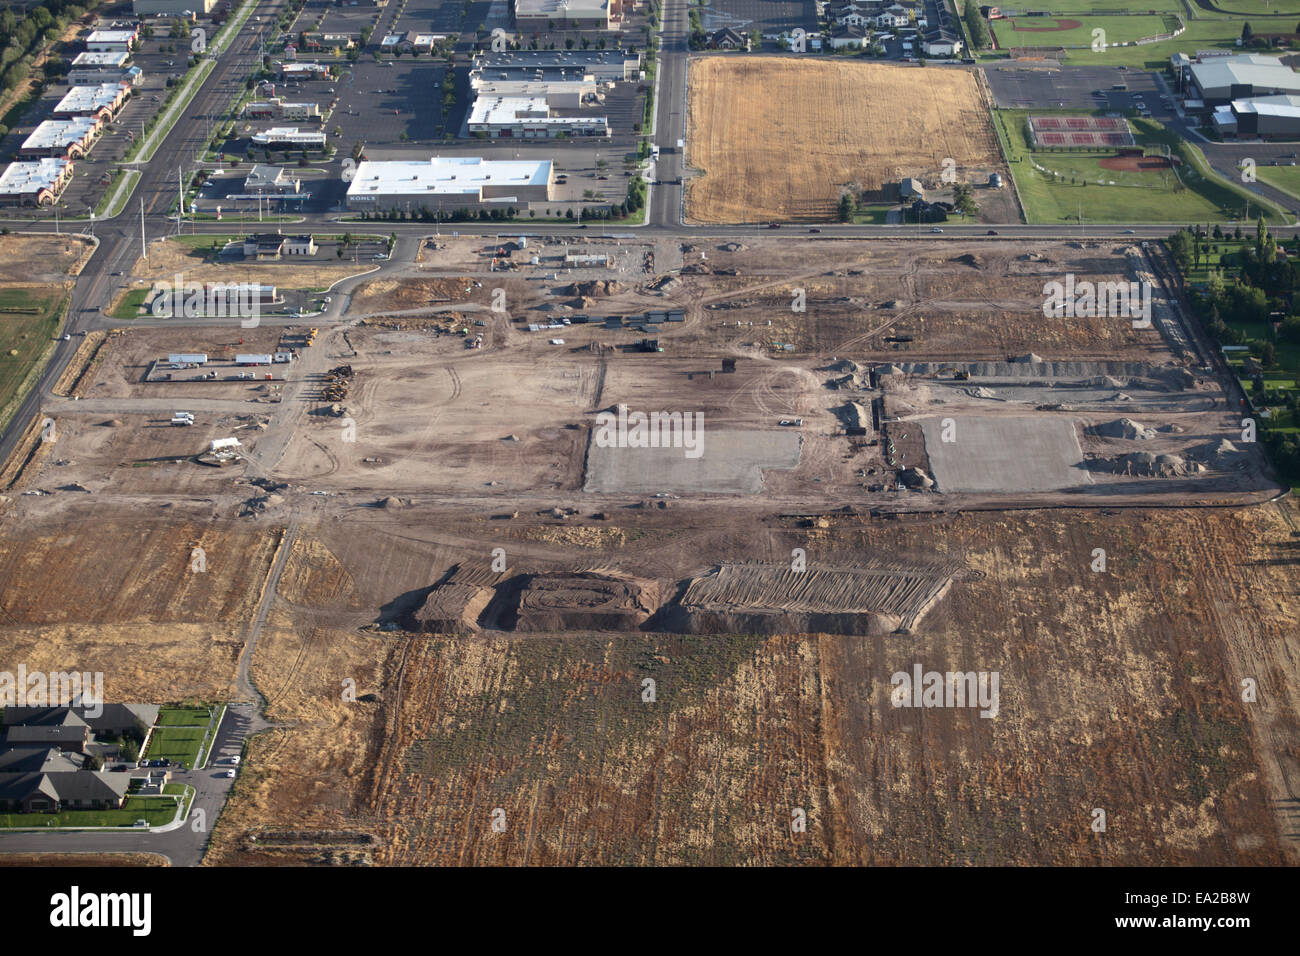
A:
{"x": 779, "y": 138}
{"x": 1001, "y": 454}
{"x": 1118, "y": 689}
{"x": 730, "y": 461}
{"x": 380, "y": 295}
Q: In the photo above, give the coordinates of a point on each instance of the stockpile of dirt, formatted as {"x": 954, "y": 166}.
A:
{"x": 761, "y": 599}
{"x": 1146, "y": 465}
{"x": 451, "y": 608}
{"x": 1123, "y": 428}
{"x": 563, "y": 601}
{"x": 593, "y": 289}
{"x": 853, "y": 415}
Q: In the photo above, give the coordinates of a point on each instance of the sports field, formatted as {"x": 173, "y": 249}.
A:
{"x": 1062, "y": 186}
{"x": 1078, "y": 30}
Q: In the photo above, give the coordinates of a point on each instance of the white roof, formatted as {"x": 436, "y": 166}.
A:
{"x": 111, "y": 36}
{"x": 304, "y": 68}
{"x": 60, "y": 132}
{"x": 445, "y": 176}
{"x": 289, "y": 133}
{"x": 559, "y": 8}
{"x": 88, "y": 99}
{"x": 31, "y": 176}
{"x": 1223, "y": 116}
{"x": 100, "y": 59}
{"x": 1280, "y": 105}
{"x": 1268, "y": 72}
{"x": 530, "y": 110}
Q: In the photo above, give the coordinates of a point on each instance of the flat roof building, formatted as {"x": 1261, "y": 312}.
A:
{"x": 177, "y": 7}
{"x": 271, "y": 179}
{"x": 1219, "y": 80}
{"x": 117, "y": 59}
{"x": 61, "y": 138}
{"x": 529, "y": 117}
{"x": 600, "y": 65}
{"x": 102, "y": 100}
{"x": 290, "y": 137}
{"x": 447, "y": 183}
{"x": 536, "y": 16}
{"x": 1268, "y": 117}
{"x": 110, "y": 41}
{"x": 34, "y": 182}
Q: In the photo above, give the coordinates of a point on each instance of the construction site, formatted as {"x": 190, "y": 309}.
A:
{"x": 868, "y": 455}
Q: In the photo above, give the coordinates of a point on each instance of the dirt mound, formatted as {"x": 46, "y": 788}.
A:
{"x": 1030, "y": 358}
{"x": 843, "y": 365}
{"x": 593, "y": 289}
{"x": 1146, "y": 465}
{"x": 563, "y": 601}
{"x": 915, "y": 478}
{"x": 451, "y": 608}
{"x": 111, "y": 423}
{"x": 853, "y": 415}
{"x": 969, "y": 259}
{"x": 1123, "y": 428}
{"x": 878, "y": 599}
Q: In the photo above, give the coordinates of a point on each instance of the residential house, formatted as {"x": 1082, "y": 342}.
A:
{"x": 849, "y": 36}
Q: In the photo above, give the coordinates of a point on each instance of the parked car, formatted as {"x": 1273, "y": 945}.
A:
{"x": 229, "y": 773}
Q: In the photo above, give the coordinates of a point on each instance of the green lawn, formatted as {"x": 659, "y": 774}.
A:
{"x": 28, "y": 323}
{"x": 129, "y": 307}
{"x": 1028, "y": 31}
{"x": 176, "y": 744}
{"x": 157, "y": 810}
{"x": 1049, "y": 195}
{"x": 184, "y": 717}
{"x": 1285, "y": 178}
{"x": 1288, "y": 8}
{"x": 1201, "y": 34}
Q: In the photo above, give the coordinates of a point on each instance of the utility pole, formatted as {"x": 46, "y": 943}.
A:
{"x": 144, "y": 252}
{"x": 180, "y": 201}
{"x": 56, "y": 217}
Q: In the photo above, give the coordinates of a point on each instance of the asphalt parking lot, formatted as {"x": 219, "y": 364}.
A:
{"x": 1069, "y": 87}
{"x": 768, "y": 16}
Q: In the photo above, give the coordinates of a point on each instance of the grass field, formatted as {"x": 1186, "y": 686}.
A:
{"x": 176, "y": 743}
{"x": 1202, "y": 34}
{"x": 1285, "y": 178}
{"x": 1118, "y": 30}
{"x": 129, "y": 305}
{"x": 184, "y": 717}
{"x": 917, "y": 119}
{"x": 1156, "y": 196}
{"x": 29, "y": 317}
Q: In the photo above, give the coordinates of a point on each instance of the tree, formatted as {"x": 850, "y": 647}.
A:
{"x": 1268, "y": 355}
{"x": 93, "y": 762}
{"x": 1246, "y": 35}
{"x": 129, "y": 751}
{"x": 846, "y": 208}
{"x": 964, "y": 200}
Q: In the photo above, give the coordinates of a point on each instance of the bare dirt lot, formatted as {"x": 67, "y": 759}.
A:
{"x": 464, "y": 624}
{"x": 1118, "y": 690}
{"x": 811, "y": 129}
{"x": 41, "y": 258}
{"x": 168, "y": 257}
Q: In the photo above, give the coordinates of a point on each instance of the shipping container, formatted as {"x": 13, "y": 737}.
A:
{"x": 186, "y": 358}
{"x": 263, "y": 358}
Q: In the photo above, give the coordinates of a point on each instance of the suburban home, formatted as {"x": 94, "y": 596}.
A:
{"x": 106, "y": 720}
{"x": 728, "y": 39}
{"x": 895, "y": 16}
{"x": 941, "y": 41}
{"x": 911, "y": 188}
{"x": 70, "y": 738}
{"x": 848, "y": 37}
{"x": 52, "y": 792}
{"x": 852, "y": 18}
{"x": 37, "y": 760}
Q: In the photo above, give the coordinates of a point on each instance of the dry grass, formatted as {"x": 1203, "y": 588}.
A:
{"x": 809, "y": 128}
{"x": 47, "y": 259}
{"x": 167, "y": 258}
{"x": 382, "y": 295}
{"x": 1117, "y": 691}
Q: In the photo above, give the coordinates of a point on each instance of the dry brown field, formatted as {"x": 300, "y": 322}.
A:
{"x": 1118, "y": 690}
{"x": 780, "y": 138}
